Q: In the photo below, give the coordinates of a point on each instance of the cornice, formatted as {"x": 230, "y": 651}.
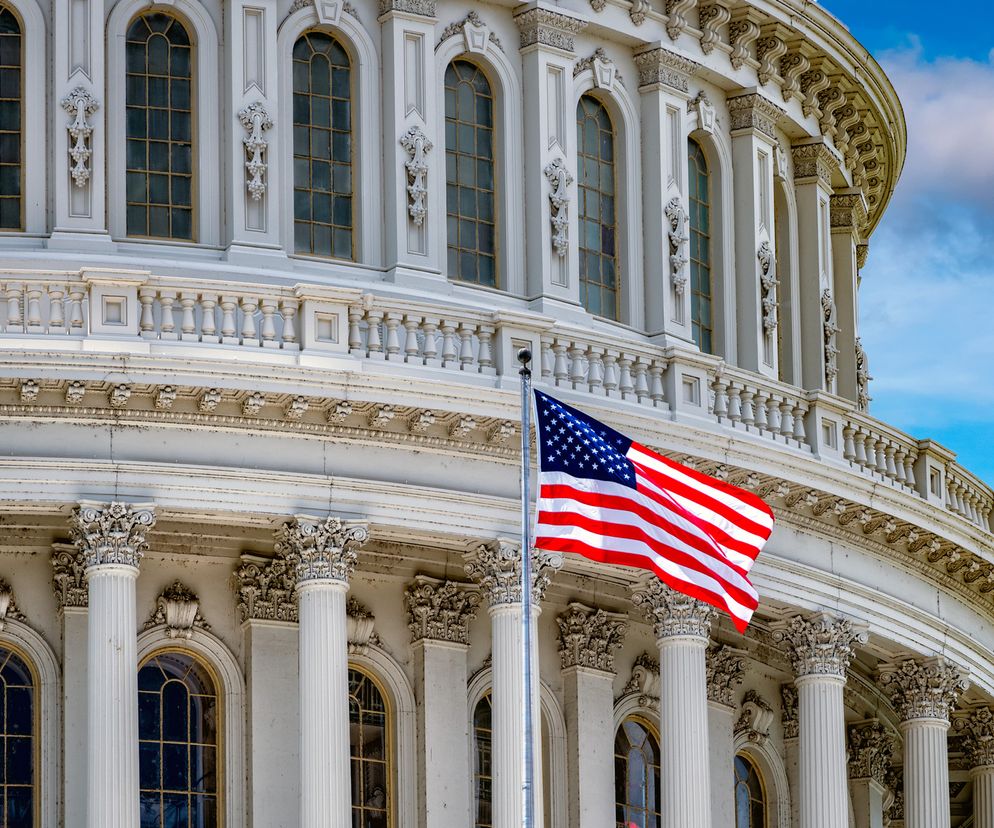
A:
{"x": 753, "y": 111}
{"x": 545, "y": 27}
{"x": 658, "y": 66}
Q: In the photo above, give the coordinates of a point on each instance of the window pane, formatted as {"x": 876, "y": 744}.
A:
{"x": 750, "y": 794}
{"x": 322, "y": 134}
{"x": 16, "y": 740}
{"x": 636, "y": 775}
{"x": 469, "y": 165}
{"x": 10, "y": 122}
{"x": 699, "y": 208}
{"x": 159, "y": 127}
{"x": 599, "y": 266}
{"x": 371, "y": 765}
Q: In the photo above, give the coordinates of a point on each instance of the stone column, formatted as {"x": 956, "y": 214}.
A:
{"x": 324, "y": 553}
{"x": 725, "y": 670}
{"x": 111, "y": 540}
{"x": 820, "y": 647}
{"x": 496, "y": 567}
{"x": 977, "y": 729}
{"x": 789, "y": 723}
{"x": 870, "y": 749}
{"x": 681, "y": 625}
{"x": 924, "y": 692}
{"x": 848, "y": 215}
{"x": 588, "y": 639}
{"x": 438, "y": 615}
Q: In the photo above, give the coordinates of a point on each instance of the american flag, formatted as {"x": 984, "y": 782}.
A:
{"x": 606, "y": 497}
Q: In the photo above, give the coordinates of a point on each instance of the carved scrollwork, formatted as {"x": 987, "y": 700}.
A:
{"x": 321, "y": 549}
{"x": 677, "y": 10}
{"x": 256, "y": 121}
{"x": 69, "y": 578}
{"x": 80, "y": 105}
{"x": 440, "y": 610}
{"x": 862, "y": 377}
{"x": 417, "y": 145}
{"x": 820, "y": 644}
{"x": 111, "y": 533}
{"x": 672, "y": 613}
{"x": 677, "y": 218}
{"x": 788, "y": 711}
{"x": 755, "y": 719}
{"x": 712, "y": 17}
{"x": 639, "y": 11}
{"x": 644, "y": 682}
{"x": 8, "y": 606}
{"x": 768, "y": 286}
{"x": 267, "y": 589}
{"x": 830, "y": 329}
{"x": 560, "y": 178}
{"x": 589, "y": 637}
{"x": 178, "y": 608}
{"x": 359, "y": 627}
{"x": 870, "y": 750}
{"x": 741, "y": 34}
{"x": 725, "y": 671}
{"x": 923, "y": 689}
{"x": 976, "y": 729}
{"x": 496, "y": 567}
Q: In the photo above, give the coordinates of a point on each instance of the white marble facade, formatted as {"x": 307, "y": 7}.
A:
{"x": 295, "y": 476}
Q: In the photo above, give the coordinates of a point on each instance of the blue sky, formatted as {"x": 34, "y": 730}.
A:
{"x": 927, "y": 296}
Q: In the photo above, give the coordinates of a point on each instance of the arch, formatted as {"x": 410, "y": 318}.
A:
{"x": 719, "y": 158}
{"x": 390, "y": 676}
{"x": 628, "y": 198}
{"x": 41, "y": 660}
{"x": 366, "y": 143}
{"x": 34, "y": 150}
{"x": 508, "y": 163}
{"x": 628, "y": 706}
{"x": 207, "y": 153}
{"x": 786, "y": 246}
{"x": 553, "y": 718}
{"x": 771, "y": 770}
{"x": 638, "y": 734}
{"x": 212, "y": 651}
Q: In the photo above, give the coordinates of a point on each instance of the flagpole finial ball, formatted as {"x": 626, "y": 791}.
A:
{"x": 524, "y": 356}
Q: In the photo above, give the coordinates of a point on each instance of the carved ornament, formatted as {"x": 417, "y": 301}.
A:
{"x": 69, "y": 577}
{"x": 178, "y": 608}
{"x": 256, "y": 121}
{"x": 267, "y": 589}
{"x": 111, "y": 533}
{"x": 862, "y": 377}
{"x": 819, "y": 644}
{"x": 725, "y": 671}
{"x": 976, "y": 729}
{"x": 672, "y": 613}
{"x": 80, "y": 105}
{"x": 476, "y": 34}
{"x": 742, "y": 32}
{"x": 359, "y": 627}
{"x": 753, "y": 111}
{"x": 830, "y": 328}
{"x": 923, "y": 689}
{"x": 544, "y": 27}
{"x": 8, "y": 606}
{"x": 870, "y": 750}
{"x": 589, "y": 637}
{"x": 417, "y": 145}
{"x": 755, "y": 719}
{"x": 676, "y": 11}
{"x": 788, "y": 711}
{"x": 712, "y": 17}
{"x": 560, "y": 178}
{"x": 321, "y": 549}
{"x": 644, "y": 682}
{"x": 440, "y": 610}
{"x": 603, "y": 68}
{"x": 496, "y": 567}
{"x": 421, "y": 8}
{"x": 768, "y": 286}
{"x": 678, "y": 238}
{"x": 661, "y": 67}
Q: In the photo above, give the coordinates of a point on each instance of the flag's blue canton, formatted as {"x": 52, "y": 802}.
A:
{"x": 581, "y": 446}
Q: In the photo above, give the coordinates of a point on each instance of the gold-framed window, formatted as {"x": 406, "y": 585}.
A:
{"x": 18, "y": 751}
{"x": 470, "y": 189}
{"x": 597, "y": 213}
{"x": 483, "y": 780}
{"x": 636, "y": 775}
{"x": 323, "y": 203}
{"x": 750, "y": 794}
{"x": 11, "y": 120}
{"x": 179, "y": 763}
{"x": 699, "y": 208}
{"x": 369, "y": 739}
{"x": 159, "y": 127}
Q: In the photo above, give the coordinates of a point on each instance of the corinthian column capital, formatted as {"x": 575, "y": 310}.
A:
{"x": 819, "y": 644}
{"x": 111, "y": 533}
{"x": 977, "y": 729}
{"x": 672, "y": 613}
{"x": 321, "y": 549}
{"x": 590, "y": 637}
{"x": 440, "y": 610}
{"x": 496, "y": 567}
{"x": 923, "y": 689}
{"x": 870, "y": 749}
{"x": 726, "y": 670}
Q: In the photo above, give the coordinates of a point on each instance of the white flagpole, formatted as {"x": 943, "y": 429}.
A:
{"x": 527, "y": 788}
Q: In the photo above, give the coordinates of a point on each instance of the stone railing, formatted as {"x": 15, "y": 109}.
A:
{"x": 405, "y": 335}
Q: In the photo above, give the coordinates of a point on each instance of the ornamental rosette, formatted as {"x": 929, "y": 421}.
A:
{"x": 496, "y": 567}
{"x": 111, "y": 533}
{"x": 440, "y": 610}
{"x": 819, "y": 644}
{"x": 977, "y": 736}
{"x": 672, "y": 613}
{"x": 870, "y": 751}
{"x": 321, "y": 549}
{"x": 923, "y": 689}
{"x": 590, "y": 637}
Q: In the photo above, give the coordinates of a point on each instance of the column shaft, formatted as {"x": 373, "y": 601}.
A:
{"x": 112, "y": 692}
{"x": 74, "y": 701}
{"x": 822, "y": 761}
{"x": 721, "y": 741}
{"x": 926, "y": 773}
{"x": 983, "y": 796}
{"x": 325, "y": 782}
{"x": 685, "y": 784}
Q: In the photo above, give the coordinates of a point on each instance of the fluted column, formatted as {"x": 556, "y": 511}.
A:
{"x": 496, "y": 566}
{"x": 923, "y": 693}
{"x": 438, "y": 615}
{"x": 820, "y": 647}
{"x": 324, "y": 553}
{"x": 977, "y": 727}
{"x": 111, "y": 540}
{"x": 725, "y": 669}
{"x": 681, "y": 625}
{"x": 870, "y": 749}
{"x": 588, "y": 639}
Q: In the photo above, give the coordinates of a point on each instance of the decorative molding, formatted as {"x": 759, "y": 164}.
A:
{"x": 793, "y": 65}
{"x": 496, "y": 567}
{"x": 256, "y": 121}
{"x": 267, "y": 589}
{"x": 660, "y": 66}
{"x": 862, "y": 377}
{"x": 895, "y": 784}
{"x": 417, "y": 145}
{"x": 560, "y": 178}
{"x": 28, "y": 390}
{"x": 543, "y": 27}
{"x": 421, "y": 8}
{"x": 870, "y": 751}
{"x": 119, "y": 395}
{"x": 923, "y": 689}
{"x": 476, "y": 34}
{"x": 768, "y": 286}
{"x": 80, "y": 105}
{"x": 813, "y": 82}
{"x": 755, "y": 719}
{"x": 75, "y": 391}
{"x": 780, "y": 156}
{"x": 788, "y": 711}
{"x": 671, "y": 613}
{"x": 321, "y": 549}
{"x": 847, "y": 211}
{"x": 328, "y": 11}
{"x": 253, "y": 404}
{"x": 742, "y": 32}
{"x": 770, "y": 48}
{"x": 725, "y": 671}
{"x": 605, "y": 72}
{"x": 814, "y": 161}
{"x": 165, "y": 396}
{"x": 707, "y": 117}
{"x": 753, "y": 111}
{"x": 8, "y": 606}
{"x": 976, "y": 729}
{"x": 178, "y": 608}
{"x": 829, "y": 100}
{"x": 440, "y": 610}
{"x": 296, "y": 408}
{"x": 209, "y": 400}
{"x": 862, "y": 253}
{"x": 589, "y": 637}
{"x": 819, "y": 644}
{"x": 676, "y": 11}
{"x": 644, "y": 682}
{"x": 676, "y": 216}
{"x": 712, "y": 17}
{"x": 111, "y": 533}
{"x": 359, "y": 627}
{"x": 69, "y": 577}
{"x": 830, "y": 329}
{"x": 639, "y": 11}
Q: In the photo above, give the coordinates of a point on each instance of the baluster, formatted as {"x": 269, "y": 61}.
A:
{"x": 33, "y": 313}
{"x": 800, "y": 410}
{"x": 909, "y": 469}
{"x": 899, "y": 465}
{"x": 77, "y": 294}
{"x": 167, "y": 323}
{"x": 641, "y": 380}
{"x": 860, "y": 438}
{"x": 208, "y": 320}
{"x": 881, "y": 446}
{"x": 548, "y": 357}
{"x": 889, "y": 461}
{"x": 449, "y": 349}
{"x": 229, "y": 306}
{"x": 748, "y": 414}
{"x": 577, "y": 370}
{"x": 412, "y": 350}
{"x": 374, "y": 345}
{"x": 595, "y": 370}
{"x": 773, "y": 415}
{"x": 355, "y": 332}
{"x": 625, "y": 384}
{"x": 466, "y": 347}
{"x": 960, "y": 503}
{"x": 610, "y": 374}
{"x": 485, "y": 333}
{"x": 734, "y": 403}
{"x": 249, "y": 305}
{"x": 15, "y": 322}
{"x": 267, "y": 330}
{"x": 430, "y": 329}
{"x": 56, "y": 308}
{"x": 146, "y": 318}
{"x": 391, "y": 322}
{"x": 759, "y": 411}
{"x": 656, "y": 390}
{"x": 188, "y": 322}
{"x": 950, "y": 494}
{"x": 787, "y": 418}
{"x": 720, "y": 406}
{"x": 561, "y": 367}
{"x": 289, "y": 308}
{"x": 848, "y": 444}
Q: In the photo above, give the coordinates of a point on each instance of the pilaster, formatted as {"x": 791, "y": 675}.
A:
{"x": 976, "y": 727}
{"x": 848, "y": 218}
{"x": 725, "y": 672}
{"x": 870, "y": 750}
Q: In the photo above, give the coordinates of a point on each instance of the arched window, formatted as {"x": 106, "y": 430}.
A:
{"x": 701, "y": 305}
{"x": 598, "y": 224}
{"x": 371, "y": 766}
{"x": 17, "y": 735}
{"x": 11, "y": 116}
{"x": 322, "y": 147}
{"x": 469, "y": 175}
{"x": 750, "y": 796}
{"x": 636, "y": 775}
{"x": 483, "y": 781}
{"x": 159, "y": 128}
{"x": 178, "y": 718}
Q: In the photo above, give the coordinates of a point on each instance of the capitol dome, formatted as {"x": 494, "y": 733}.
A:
{"x": 265, "y": 270}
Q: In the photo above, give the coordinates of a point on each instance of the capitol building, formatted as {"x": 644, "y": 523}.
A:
{"x": 264, "y": 269}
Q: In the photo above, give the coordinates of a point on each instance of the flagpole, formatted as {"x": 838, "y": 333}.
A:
{"x": 527, "y": 788}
